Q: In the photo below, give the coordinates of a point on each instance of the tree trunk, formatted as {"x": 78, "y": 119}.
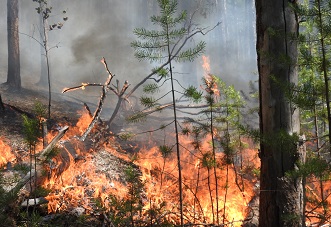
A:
{"x": 43, "y": 23}
{"x": 281, "y": 197}
{"x": 13, "y": 76}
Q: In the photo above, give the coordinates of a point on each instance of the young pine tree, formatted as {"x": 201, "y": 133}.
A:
{"x": 167, "y": 45}
{"x": 220, "y": 121}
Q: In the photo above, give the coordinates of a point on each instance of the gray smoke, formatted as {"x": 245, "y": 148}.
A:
{"x": 103, "y": 28}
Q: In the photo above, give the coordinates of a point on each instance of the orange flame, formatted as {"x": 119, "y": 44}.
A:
{"x": 160, "y": 174}
{"x": 6, "y": 154}
{"x": 81, "y": 181}
{"x": 209, "y": 80}
{"x": 206, "y": 65}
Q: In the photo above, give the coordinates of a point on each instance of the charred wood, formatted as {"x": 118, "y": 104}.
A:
{"x": 44, "y": 131}
{"x": 2, "y": 107}
{"x": 87, "y": 109}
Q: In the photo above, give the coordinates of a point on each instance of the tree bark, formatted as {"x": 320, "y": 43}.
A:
{"x": 281, "y": 197}
{"x": 13, "y": 76}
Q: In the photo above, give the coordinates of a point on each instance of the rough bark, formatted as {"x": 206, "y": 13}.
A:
{"x": 281, "y": 197}
{"x": 13, "y": 76}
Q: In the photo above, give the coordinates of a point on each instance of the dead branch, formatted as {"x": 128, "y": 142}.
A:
{"x": 83, "y": 86}
{"x": 41, "y": 157}
{"x": 98, "y": 110}
{"x": 20, "y": 111}
{"x": 43, "y": 154}
{"x": 87, "y": 109}
{"x": 105, "y": 87}
{"x": 121, "y": 97}
{"x": 44, "y": 132}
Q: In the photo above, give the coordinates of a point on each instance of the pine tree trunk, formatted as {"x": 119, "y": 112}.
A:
{"x": 281, "y": 197}
{"x": 13, "y": 76}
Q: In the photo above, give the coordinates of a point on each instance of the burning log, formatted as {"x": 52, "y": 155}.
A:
{"x": 69, "y": 151}
{"x": 19, "y": 110}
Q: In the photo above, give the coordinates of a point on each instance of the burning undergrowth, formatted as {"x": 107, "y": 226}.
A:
{"x": 104, "y": 178}
{"x": 97, "y": 177}
{"x": 235, "y": 190}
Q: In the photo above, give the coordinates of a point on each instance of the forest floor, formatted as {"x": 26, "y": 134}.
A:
{"x": 18, "y": 102}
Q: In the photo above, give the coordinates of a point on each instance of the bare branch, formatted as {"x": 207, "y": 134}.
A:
{"x": 81, "y": 87}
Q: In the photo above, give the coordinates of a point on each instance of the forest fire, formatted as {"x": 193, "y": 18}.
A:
{"x": 318, "y": 198}
{"x": 83, "y": 181}
{"x": 87, "y": 184}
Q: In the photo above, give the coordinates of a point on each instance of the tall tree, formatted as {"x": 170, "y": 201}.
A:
{"x": 281, "y": 197}
{"x": 167, "y": 45}
{"x": 13, "y": 76}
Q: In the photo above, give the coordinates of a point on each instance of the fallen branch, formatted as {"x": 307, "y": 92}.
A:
{"x": 43, "y": 154}
{"x": 41, "y": 157}
{"x": 98, "y": 110}
{"x": 87, "y": 109}
{"x": 20, "y": 111}
{"x": 83, "y": 86}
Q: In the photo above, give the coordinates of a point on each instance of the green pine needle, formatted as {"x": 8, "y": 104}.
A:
{"x": 151, "y": 88}
{"x": 147, "y": 101}
{"x": 193, "y": 94}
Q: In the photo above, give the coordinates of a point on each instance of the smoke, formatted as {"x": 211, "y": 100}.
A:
{"x": 103, "y": 28}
